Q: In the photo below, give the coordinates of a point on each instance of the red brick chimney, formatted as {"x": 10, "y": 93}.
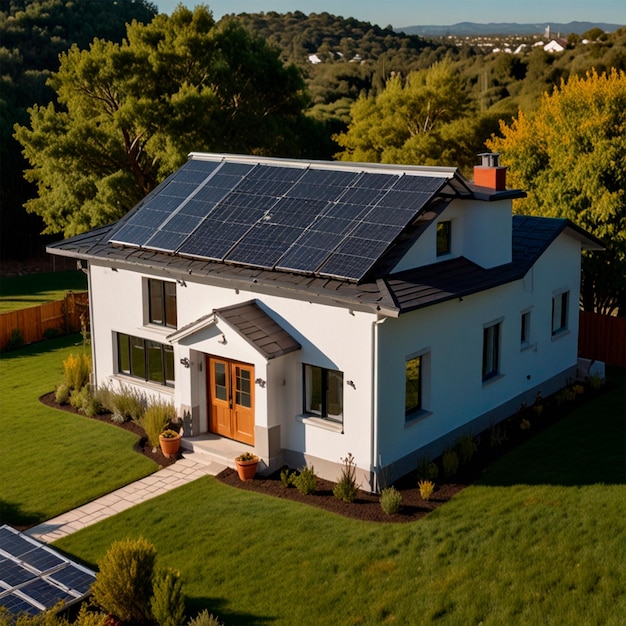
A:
{"x": 489, "y": 173}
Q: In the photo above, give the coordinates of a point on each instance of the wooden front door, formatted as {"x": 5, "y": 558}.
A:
{"x": 231, "y": 399}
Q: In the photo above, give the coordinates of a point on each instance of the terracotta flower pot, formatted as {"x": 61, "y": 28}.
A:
{"x": 246, "y": 469}
{"x": 170, "y": 445}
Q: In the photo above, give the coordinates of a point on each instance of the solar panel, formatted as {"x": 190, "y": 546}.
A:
{"x": 296, "y": 217}
{"x": 33, "y": 577}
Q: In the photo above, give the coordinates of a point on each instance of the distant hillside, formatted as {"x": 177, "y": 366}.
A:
{"x": 472, "y": 29}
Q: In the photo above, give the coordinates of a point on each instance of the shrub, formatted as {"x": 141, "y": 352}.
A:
{"x": 123, "y": 586}
{"x": 77, "y": 369}
{"x": 129, "y": 404}
{"x": 306, "y": 481}
{"x": 91, "y": 404}
{"x": 87, "y": 617}
{"x": 50, "y": 333}
{"x": 497, "y": 436}
{"x": 157, "y": 415}
{"x": 62, "y": 394}
{"x": 346, "y": 487}
{"x": 450, "y": 461}
{"x": 390, "y": 500}
{"x": 564, "y": 396}
{"x": 596, "y": 381}
{"x": 15, "y": 341}
{"x": 205, "y": 619}
{"x": 168, "y": 600}
{"x": 426, "y": 488}
{"x": 79, "y": 396}
{"x": 286, "y": 477}
{"x": 426, "y": 470}
{"x": 524, "y": 424}
{"x": 465, "y": 447}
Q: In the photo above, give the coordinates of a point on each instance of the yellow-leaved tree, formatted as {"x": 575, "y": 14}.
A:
{"x": 569, "y": 155}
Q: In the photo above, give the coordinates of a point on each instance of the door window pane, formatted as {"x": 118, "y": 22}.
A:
{"x": 243, "y": 396}
{"x": 221, "y": 392}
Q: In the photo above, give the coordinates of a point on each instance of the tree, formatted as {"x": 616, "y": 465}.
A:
{"x": 570, "y": 157}
{"x": 129, "y": 113}
{"x": 424, "y": 120}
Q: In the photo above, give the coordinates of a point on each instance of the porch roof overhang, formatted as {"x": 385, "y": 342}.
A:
{"x": 251, "y": 322}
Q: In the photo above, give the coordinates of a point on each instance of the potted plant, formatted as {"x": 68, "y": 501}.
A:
{"x": 246, "y": 465}
{"x": 170, "y": 442}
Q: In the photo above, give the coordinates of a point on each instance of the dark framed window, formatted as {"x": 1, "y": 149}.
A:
{"x": 491, "y": 351}
{"x": 560, "y": 305}
{"x": 145, "y": 359}
{"x": 162, "y": 302}
{"x": 413, "y": 387}
{"x": 323, "y": 393}
{"x": 444, "y": 238}
{"x": 525, "y": 328}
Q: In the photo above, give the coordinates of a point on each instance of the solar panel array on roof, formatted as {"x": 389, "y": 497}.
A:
{"x": 34, "y": 578}
{"x": 297, "y": 218}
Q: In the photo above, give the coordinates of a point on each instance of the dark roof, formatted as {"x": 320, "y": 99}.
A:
{"x": 259, "y": 329}
{"x": 333, "y": 220}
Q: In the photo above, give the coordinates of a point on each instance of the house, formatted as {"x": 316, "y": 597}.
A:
{"x": 307, "y": 310}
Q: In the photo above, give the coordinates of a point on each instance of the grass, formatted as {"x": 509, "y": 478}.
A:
{"x": 539, "y": 540}
{"x": 52, "y": 461}
{"x": 20, "y": 292}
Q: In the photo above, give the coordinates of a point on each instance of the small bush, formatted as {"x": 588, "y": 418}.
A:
{"x": 524, "y": 424}
{"x": 426, "y": 488}
{"x": 286, "y": 477}
{"x": 564, "y": 396}
{"x": 77, "y": 369}
{"x": 15, "y": 341}
{"x": 390, "y": 500}
{"x": 497, "y": 436}
{"x": 129, "y": 403}
{"x": 346, "y": 487}
{"x": 87, "y": 617}
{"x": 91, "y": 405}
{"x": 62, "y": 394}
{"x": 168, "y": 600}
{"x": 450, "y": 461}
{"x": 157, "y": 415}
{"x": 465, "y": 447}
{"x": 306, "y": 481}
{"x": 596, "y": 381}
{"x": 205, "y": 619}
{"x": 426, "y": 470}
{"x": 79, "y": 396}
{"x": 123, "y": 585}
{"x": 50, "y": 333}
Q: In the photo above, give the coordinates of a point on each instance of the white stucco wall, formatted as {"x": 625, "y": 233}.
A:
{"x": 335, "y": 337}
{"x": 481, "y": 232}
{"x": 452, "y": 334}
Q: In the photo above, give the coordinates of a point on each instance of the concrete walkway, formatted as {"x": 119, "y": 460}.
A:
{"x": 183, "y": 471}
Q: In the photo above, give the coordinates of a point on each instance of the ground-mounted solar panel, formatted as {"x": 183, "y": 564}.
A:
{"x": 42, "y": 560}
{"x": 73, "y": 577}
{"x": 34, "y": 577}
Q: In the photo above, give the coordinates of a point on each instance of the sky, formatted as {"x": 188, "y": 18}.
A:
{"x": 401, "y": 13}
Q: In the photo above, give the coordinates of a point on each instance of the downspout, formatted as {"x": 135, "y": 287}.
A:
{"x": 94, "y": 374}
{"x": 374, "y": 414}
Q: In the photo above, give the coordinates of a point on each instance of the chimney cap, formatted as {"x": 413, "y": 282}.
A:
{"x": 489, "y": 159}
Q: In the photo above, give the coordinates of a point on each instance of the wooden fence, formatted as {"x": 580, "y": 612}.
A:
{"x": 602, "y": 338}
{"x": 38, "y": 322}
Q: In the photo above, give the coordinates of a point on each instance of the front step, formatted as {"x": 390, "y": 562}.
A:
{"x": 213, "y": 449}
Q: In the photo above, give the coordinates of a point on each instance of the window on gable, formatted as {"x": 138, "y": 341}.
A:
{"x": 560, "y": 306}
{"x": 491, "y": 351}
{"x": 525, "y": 329}
{"x": 323, "y": 393}
{"x": 444, "y": 238}
{"x": 144, "y": 359}
{"x": 162, "y": 302}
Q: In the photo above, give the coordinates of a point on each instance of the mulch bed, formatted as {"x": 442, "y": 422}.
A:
{"x": 367, "y": 507}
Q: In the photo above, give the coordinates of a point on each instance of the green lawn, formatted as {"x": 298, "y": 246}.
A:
{"x": 20, "y": 292}
{"x": 541, "y": 540}
{"x": 52, "y": 461}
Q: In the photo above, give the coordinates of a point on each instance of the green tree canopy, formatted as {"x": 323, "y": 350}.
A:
{"x": 128, "y": 114}
{"x": 570, "y": 157}
{"x": 424, "y": 120}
